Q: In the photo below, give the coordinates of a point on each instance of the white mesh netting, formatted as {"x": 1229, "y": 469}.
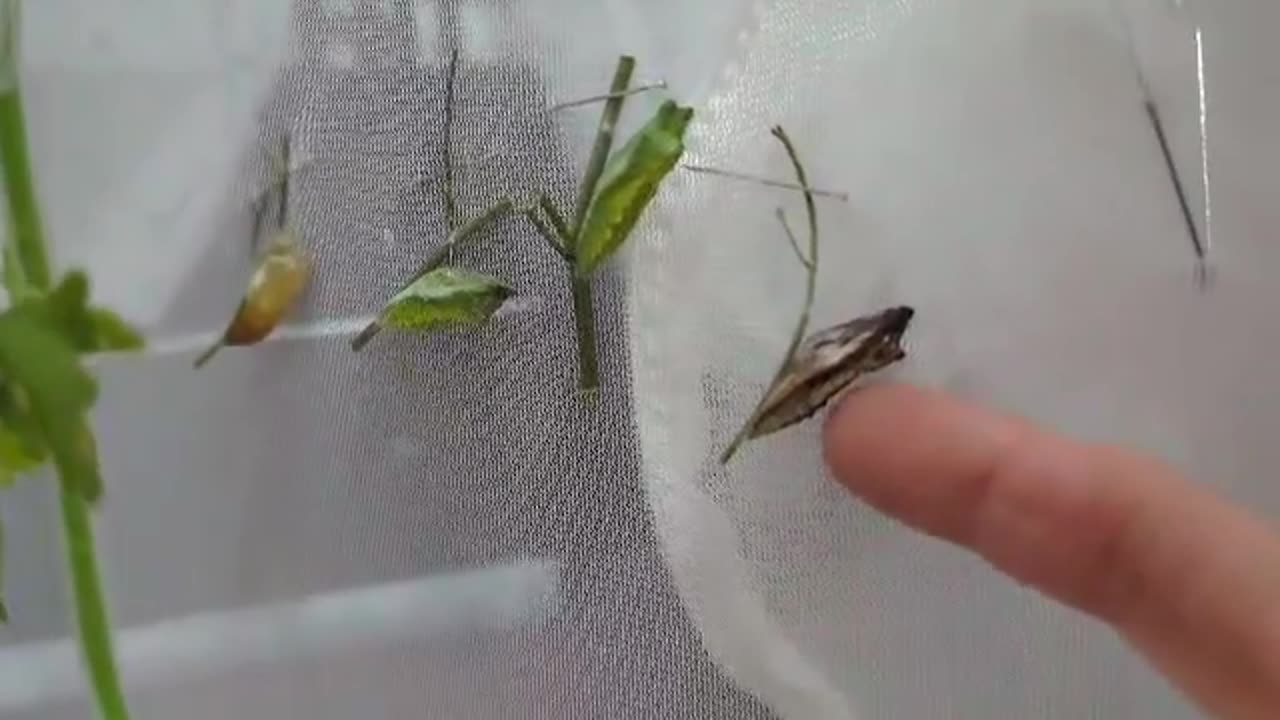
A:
{"x": 439, "y": 527}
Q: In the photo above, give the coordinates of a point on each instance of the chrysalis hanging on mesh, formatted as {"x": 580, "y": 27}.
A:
{"x": 277, "y": 281}
{"x": 817, "y": 368}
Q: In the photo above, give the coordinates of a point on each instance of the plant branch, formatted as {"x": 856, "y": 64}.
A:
{"x": 584, "y": 318}
{"x": 811, "y": 284}
{"x": 604, "y": 141}
{"x": 557, "y": 220}
{"x": 91, "y": 615}
{"x": 10, "y": 20}
{"x": 24, "y": 212}
{"x": 791, "y": 236}
{"x": 29, "y": 244}
{"x": 583, "y": 310}
{"x": 450, "y": 200}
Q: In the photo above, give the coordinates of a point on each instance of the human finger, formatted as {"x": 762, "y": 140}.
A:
{"x": 1190, "y": 580}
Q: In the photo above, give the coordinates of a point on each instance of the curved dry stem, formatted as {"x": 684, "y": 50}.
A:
{"x": 811, "y": 284}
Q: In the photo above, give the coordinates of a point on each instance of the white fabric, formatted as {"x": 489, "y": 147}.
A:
{"x": 1002, "y": 180}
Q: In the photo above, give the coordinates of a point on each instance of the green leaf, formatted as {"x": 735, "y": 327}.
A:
{"x": 445, "y": 298}
{"x": 90, "y": 329}
{"x": 67, "y": 308}
{"x": 17, "y": 456}
{"x": 111, "y": 332}
{"x": 629, "y": 182}
{"x": 42, "y": 365}
{"x": 17, "y": 421}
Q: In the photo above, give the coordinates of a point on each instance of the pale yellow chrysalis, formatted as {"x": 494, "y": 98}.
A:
{"x": 276, "y": 283}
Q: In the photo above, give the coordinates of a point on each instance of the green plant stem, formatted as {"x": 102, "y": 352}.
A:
{"x": 28, "y": 238}
{"x": 604, "y": 139}
{"x": 583, "y": 310}
{"x": 584, "y": 318}
{"x": 91, "y": 613}
{"x": 810, "y": 291}
{"x": 24, "y": 213}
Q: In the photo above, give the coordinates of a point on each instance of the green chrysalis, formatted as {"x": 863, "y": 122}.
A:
{"x": 445, "y": 298}
{"x": 629, "y": 182}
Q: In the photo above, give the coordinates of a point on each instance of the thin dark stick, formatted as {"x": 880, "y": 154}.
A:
{"x": 282, "y": 210}
{"x": 450, "y": 202}
{"x": 811, "y": 285}
{"x": 1153, "y": 114}
{"x": 1157, "y": 125}
{"x": 465, "y": 234}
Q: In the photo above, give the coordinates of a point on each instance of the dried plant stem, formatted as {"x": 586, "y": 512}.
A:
{"x": 811, "y": 285}
{"x": 583, "y": 310}
{"x": 29, "y": 243}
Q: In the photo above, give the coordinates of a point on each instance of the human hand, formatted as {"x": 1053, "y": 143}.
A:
{"x": 1190, "y": 581}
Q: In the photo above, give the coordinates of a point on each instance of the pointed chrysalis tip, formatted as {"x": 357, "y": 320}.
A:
{"x": 208, "y": 354}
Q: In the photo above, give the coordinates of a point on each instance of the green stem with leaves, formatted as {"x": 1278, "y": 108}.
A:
{"x": 583, "y": 302}
{"x": 29, "y": 246}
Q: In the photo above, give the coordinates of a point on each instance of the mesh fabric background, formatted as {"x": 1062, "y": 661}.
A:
{"x": 439, "y": 528}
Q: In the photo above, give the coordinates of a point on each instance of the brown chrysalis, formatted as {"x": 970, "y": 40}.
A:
{"x": 279, "y": 278}
{"x": 819, "y": 366}
{"x": 828, "y": 362}
{"x": 824, "y": 365}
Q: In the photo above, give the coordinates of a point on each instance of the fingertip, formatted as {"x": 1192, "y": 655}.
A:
{"x": 912, "y": 452}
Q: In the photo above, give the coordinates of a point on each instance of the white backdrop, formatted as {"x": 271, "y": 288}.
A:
{"x": 436, "y": 528}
